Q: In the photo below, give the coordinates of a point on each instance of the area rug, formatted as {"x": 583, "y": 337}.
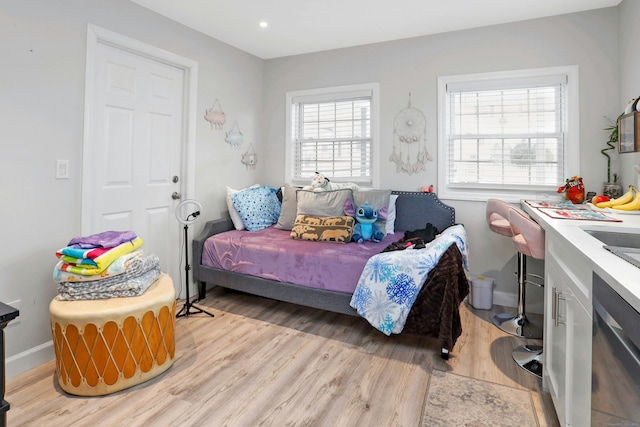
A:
{"x": 454, "y": 400}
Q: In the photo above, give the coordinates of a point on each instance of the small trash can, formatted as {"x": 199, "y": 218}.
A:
{"x": 481, "y": 292}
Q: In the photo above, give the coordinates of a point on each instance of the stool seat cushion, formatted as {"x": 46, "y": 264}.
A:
{"x": 521, "y": 245}
{"x": 500, "y": 225}
{"x": 497, "y": 212}
{"x": 529, "y": 236}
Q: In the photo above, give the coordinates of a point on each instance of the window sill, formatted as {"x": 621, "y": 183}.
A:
{"x": 477, "y": 195}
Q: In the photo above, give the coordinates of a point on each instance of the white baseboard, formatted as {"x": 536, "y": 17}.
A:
{"x": 29, "y": 359}
{"x": 505, "y": 299}
{"x": 508, "y": 299}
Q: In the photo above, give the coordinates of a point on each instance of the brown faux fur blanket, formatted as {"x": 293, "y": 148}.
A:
{"x": 436, "y": 309}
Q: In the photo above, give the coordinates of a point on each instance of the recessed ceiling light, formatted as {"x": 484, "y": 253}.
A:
{"x": 263, "y": 24}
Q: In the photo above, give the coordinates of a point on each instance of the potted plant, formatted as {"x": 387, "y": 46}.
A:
{"x": 611, "y": 189}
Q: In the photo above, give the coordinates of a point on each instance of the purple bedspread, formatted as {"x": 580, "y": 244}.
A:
{"x": 271, "y": 254}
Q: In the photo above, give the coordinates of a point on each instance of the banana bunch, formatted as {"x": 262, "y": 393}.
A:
{"x": 629, "y": 201}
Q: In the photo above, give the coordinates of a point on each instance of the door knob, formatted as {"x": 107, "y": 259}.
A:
{"x": 175, "y": 195}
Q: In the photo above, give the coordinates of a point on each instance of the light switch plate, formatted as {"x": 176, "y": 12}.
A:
{"x": 62, "y": 169}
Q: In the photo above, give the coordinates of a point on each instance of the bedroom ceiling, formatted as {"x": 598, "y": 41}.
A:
{"x": 303, "y": 26}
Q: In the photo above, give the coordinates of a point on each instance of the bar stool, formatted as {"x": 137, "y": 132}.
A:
{"x": 517, "y": 324}
{"x": 528, "y": 238}
{"x": 497, "y": 217}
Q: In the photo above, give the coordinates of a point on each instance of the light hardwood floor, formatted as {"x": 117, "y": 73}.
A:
{"x": 261, "y": 362}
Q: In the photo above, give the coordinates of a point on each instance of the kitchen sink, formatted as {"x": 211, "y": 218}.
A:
{"x": 623, "y": 242}
{"x": 621, "y": 239}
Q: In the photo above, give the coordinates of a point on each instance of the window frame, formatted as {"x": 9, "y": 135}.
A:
{"x": 571, "y": 157}
{"x": 335, "y": 93}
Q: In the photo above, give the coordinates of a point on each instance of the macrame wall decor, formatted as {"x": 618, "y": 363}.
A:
{"x": 250, "y": 158}
{"x": 215, "y": 116}
{"x": 410, "y": 137}
{"x": 234, "y": 136}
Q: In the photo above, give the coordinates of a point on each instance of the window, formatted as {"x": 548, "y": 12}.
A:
{"x": 332, "y": 131}
{"x": 510, "y": 134}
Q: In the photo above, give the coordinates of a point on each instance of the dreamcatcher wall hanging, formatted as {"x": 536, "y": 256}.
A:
{"x": 234, "y": 136}
{"x": 410, "y": 137}
{"x": 215, "y": 116}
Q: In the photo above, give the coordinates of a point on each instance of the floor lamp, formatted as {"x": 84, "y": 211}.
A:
{"x": 188, "y": 308}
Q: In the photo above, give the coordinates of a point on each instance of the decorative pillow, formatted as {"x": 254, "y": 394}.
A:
{"x": 258, "y": 207}
{"x": 233, "y": 213}
{"x": 378, "y": 199}
{"x": 323, "y": 203}
{"x": 323, "y": 229}
{"x": 391, "y": 214}
{"x": 289, "y": 208}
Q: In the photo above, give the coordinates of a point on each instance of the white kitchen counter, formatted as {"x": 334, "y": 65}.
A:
{"x": 622, "y": 276}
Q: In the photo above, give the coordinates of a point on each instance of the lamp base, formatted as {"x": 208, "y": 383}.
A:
{"x": 188, "y": 309}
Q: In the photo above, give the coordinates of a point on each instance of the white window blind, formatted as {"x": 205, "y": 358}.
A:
{"x": 332, "y": 134}
{"x": 506, "y": 134}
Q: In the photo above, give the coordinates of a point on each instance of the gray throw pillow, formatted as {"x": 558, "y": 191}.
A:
{"x": 289, "y": 208}
{"x": 322, "y": 203}
{"x": 378, "y": 199}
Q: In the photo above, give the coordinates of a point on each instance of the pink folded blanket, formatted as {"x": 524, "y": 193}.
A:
{"x": 80, "y": 253}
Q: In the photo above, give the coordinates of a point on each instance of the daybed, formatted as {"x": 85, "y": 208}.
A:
{"x": 434, "y": 313}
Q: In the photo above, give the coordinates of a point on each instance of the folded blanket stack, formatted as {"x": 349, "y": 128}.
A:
{"x": 104, "y": 265}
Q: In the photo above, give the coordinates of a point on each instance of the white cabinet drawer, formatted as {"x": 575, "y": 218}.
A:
{"x": 573, "y": 265}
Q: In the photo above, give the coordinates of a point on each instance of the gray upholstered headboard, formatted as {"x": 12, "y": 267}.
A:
{"x": 415, "y": 209}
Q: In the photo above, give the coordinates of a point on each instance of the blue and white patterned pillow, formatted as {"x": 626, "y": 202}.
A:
{"x": 258, "y": 207}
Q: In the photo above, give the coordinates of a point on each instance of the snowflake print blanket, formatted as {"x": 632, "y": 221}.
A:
{"x": 390, "y": 281}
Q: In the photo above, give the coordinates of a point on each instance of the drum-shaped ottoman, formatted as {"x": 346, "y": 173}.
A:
{"x": 103, "y": 346}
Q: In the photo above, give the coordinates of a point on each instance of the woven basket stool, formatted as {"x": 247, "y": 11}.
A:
{"x": 104, "y": 346}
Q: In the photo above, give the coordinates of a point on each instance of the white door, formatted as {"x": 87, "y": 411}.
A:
{"x": 133, "y": 150}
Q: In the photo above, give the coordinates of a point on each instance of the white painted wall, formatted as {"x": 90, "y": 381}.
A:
{"x": 589, "y": 40}
{"x": 629, "y": 34}
{"x": 42, "y": 58}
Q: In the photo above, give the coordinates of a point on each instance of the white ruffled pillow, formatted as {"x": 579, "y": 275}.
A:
{"x": 391, "y": 214}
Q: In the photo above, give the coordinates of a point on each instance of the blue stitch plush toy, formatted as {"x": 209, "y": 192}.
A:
{"x": 366, "y": 216}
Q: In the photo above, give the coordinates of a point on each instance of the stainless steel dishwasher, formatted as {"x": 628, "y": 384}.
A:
{"x": 615, "y": 379}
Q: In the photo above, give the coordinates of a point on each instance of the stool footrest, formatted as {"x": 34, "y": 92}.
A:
{"x": 529, "y": 358}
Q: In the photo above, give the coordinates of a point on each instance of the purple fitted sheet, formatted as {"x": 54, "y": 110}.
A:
{"x": 272, "y": 254}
